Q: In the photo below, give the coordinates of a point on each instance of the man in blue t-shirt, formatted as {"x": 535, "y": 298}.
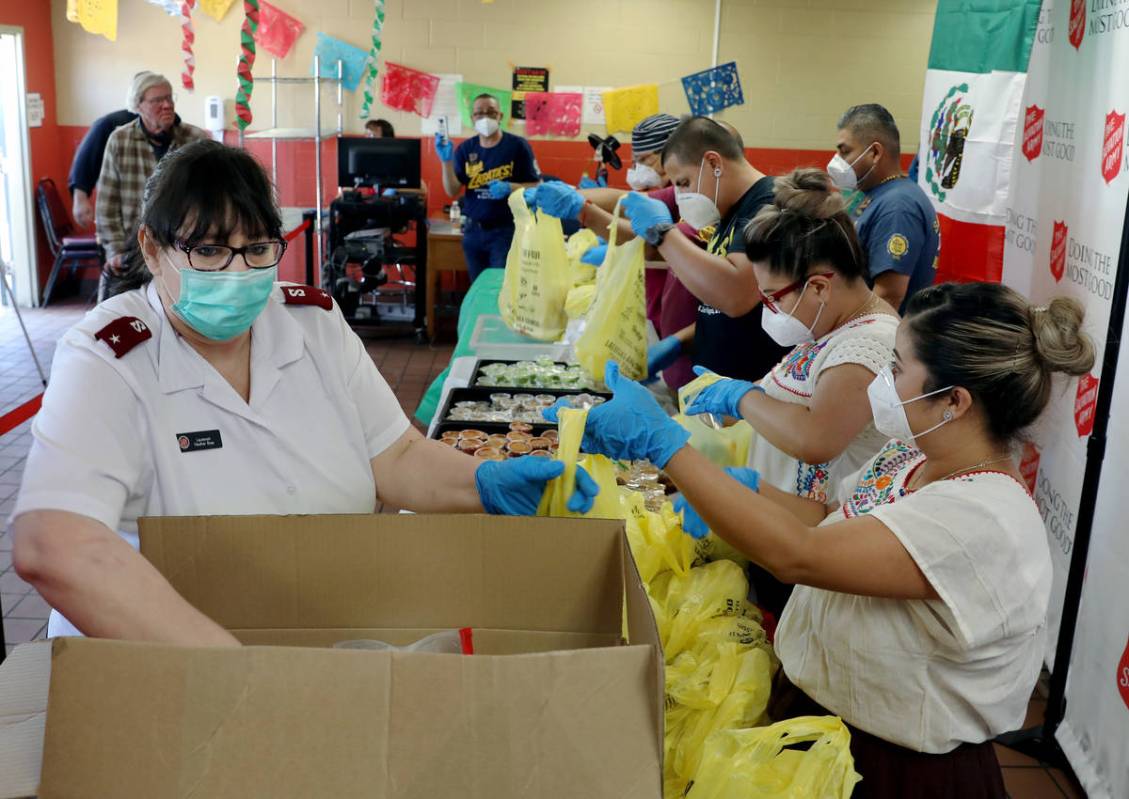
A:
{"x": 87, "y": 163}
{"x": 490, "y": 166}
{"x": 896, "y": 222}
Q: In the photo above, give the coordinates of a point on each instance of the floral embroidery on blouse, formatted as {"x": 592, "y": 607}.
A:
{"x": 880, "y": 482}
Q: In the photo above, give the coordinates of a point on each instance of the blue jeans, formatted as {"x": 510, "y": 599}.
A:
{"x": 486, "y": 248}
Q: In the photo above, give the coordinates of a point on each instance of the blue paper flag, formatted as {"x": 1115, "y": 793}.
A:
{"x": 352, "y": 60}
{"x": 713, "y": 89}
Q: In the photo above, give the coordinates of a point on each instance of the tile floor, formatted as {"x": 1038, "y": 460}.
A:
{"x": 409, "y": 368}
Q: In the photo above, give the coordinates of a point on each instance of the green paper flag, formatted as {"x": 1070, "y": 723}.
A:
{"x": 467, "y": 93}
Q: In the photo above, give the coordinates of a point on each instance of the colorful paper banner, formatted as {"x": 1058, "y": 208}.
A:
{"x": 246, "y": 63}
{"x": 624, "y": 107}
{"x": 187, "y": 40}
{"x": 467, "y": 93}
{"x": 170, "y": 7}
{"x": 407, "y": 89}
{"x": 216, "y": 9}
{"x": 99, "y": 17}
{"x": 277, "y": 30}
{"x": 712, "y": 90}
{"x": 352, "y": 59}
{"x": 553, "y": 113}
{"x": 373, "y": 56}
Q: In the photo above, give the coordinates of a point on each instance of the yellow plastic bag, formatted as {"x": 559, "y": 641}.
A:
{"x": 656, "y": 538}
{"x": 554, "y": 502}
{"x": 727, "y": 446}
{"x": 579, "y": 243}
{"x": 716, "y": 590}
{"x": 617, "y": 321}
{"x": 579, "y": 300}
{"x": 537, "y": 279}
{"x": 760, "y": 762}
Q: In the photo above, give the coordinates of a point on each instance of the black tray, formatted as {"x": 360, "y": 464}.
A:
{"x": 483, "y": 394}
{"x": 524, "y": 389}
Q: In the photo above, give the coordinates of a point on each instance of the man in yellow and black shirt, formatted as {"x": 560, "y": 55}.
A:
{"x": 490, "y": 165}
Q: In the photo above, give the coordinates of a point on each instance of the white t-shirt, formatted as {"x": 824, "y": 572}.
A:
{"x": 867, "y": 341}
{"x": 931, "y": 674}
{"x": 159, "y": 432}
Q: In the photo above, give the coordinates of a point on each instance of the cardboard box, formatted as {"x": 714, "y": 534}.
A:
{"x": 553, "y": 703}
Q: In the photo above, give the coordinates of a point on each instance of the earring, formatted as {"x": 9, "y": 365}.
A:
{"x": 717, "y": 171}
{"x": 948, "y": 417}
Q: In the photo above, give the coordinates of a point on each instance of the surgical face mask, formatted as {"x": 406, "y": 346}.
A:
{"x": 641, "y": 177}
{"x": 785, "y": 329}
{"x": 697, "y": 209}
{"x": 842, "y": 172}
{"x": 221, "y": 305}
{"x": 486, "y": 126}
{"x": 889, "y": 409}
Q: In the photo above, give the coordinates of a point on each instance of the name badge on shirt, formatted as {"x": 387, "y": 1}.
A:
{"x": 201, "y": 439}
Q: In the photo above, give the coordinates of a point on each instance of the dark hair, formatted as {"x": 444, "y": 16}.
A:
{"x": 805, "y": 225}
{"x": 202, "y": 190}
{"x": 874, "y": 123}
{"x": 383, "y": 125}
{"x": 696, "y": 136}
{"x": 486, "y": 96}
{"x": 986, "y": 338}
{"x": 736, "y": 134}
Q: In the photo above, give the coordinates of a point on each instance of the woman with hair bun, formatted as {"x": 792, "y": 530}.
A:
{"x": 919, "y": 614}
{"x": 811, "y": 413}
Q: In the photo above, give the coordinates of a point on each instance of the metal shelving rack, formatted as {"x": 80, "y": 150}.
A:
{"x": 274, "y": 133}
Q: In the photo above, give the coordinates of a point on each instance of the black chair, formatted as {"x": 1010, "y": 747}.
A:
{"x": 67, "y": 245}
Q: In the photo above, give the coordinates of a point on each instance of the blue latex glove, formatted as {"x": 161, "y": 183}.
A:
{"x": 723, "y": 398}
{"x": 694, "y": 524}
{"x": 645, "y": 212}
{"x": 587, "y": 183}
{"x": 388, "y": 193}
{"x": 530, "y": 196}
{"x": 595, "y": 254}
{"x": 444, "y": 148}
{"x": 662, "y": 355}
{"x": 559, "y": 199}
{"x": 498, "y": 189}
{"x": 632, "y": 426}
{"x": 514, "y": 487}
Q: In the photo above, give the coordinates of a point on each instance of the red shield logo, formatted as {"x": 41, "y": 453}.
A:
{"x": 1077, "y": 22}
{"x": 1033, "y": 132}
{"x": 1058, "y": 250}
{"x": 1084, "y": 404}
{"x": 1029, "y": 465}
{"x": 1113, "y": 145}
{"x": 1123, "y": 676}
{"x": 183, "y": 442}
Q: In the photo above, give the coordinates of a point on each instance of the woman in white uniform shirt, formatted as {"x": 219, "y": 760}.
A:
{"x": 920, "y": 607}
{"x": 210, "y": 389}
{"x": 810, "y": 413}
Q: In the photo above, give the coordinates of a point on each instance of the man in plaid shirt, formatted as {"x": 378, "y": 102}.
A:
{"x": 132, "y": 153}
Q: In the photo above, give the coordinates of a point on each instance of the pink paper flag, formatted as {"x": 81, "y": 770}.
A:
{"x": 407, "y": 89}
{"x": 553, "y": 113}
{"x": 277, "y": 30}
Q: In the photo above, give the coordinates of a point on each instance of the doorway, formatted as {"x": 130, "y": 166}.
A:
{"x": 17, "y": 220}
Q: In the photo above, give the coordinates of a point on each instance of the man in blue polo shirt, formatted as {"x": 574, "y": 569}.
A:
{"x": 490, "y": 166}
{"x": 896, "y": 223}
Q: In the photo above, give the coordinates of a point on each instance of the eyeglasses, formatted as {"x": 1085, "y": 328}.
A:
{"x": 492, "y": 114}
{"x": 164, "y": 98}
{"x": 215, "y": 257}
{"x": 771, "y": 299}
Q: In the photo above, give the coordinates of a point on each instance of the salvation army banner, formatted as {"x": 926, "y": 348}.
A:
{"x": 1062, "y": 236}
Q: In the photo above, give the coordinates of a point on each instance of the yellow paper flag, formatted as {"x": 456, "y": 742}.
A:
{"x": 623, "y": 108}
{"x": 95, "y": 16}
{"x": 216, "y": 9}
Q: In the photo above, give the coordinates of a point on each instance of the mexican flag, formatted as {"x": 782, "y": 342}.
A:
{"x": 973, "y": 94}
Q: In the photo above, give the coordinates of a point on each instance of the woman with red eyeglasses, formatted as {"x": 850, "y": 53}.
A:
{"x": 811, "y": 412}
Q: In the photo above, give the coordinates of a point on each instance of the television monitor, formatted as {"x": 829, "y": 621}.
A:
{"x": 387, "y": 163}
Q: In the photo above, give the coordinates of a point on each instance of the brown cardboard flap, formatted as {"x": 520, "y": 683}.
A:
{"x": 155, "y": 721}
{"x": 427, "y": 571}
{"x": 486, "y": 642}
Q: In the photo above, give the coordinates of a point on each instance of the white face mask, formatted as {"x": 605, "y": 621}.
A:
{"x": 889, "y": 409}
{"x": 641, "y": 177}
{"x": 842, "y": 172}
{"x": 697, "y": 209}
{"x": 785, "y": 329}
{"x": 486, "y": 126}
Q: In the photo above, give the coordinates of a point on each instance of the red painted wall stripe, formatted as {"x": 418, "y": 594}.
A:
{"x": 14, "y": 418}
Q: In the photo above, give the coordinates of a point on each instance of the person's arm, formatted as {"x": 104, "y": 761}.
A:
{"x": 857, "y": 556}
{"x": 818, "y": 433}
{"x": 727, "y": 283}
{"x": 896, "y": 238}
{"x": 449, "y": 486}
{"x": 891, "y": 286}
{"x": 105, "y": 587}
{"x": 81, "y": 208}
{"x": 599, "y": 221}
{"x": 451, "y": 183}
{"x": 108, "y": 206}
{"x": 685, "y": 337}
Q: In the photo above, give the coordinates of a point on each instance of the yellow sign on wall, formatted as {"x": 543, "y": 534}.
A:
{"x": 216, "y": 9}
{"x": 624, "y": 107}
{"x": 99, "y": 17}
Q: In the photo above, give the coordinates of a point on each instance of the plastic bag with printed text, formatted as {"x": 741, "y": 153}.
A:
{"x": 554, "y": 502}
{"x": 616, "y": 328}
{"x": 579, "y": 243}
{"x": 765, "y": 762}
{"x": 537, "y": 277}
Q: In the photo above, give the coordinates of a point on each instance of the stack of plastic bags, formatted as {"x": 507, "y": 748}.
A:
{"x": 719, "y": 663}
